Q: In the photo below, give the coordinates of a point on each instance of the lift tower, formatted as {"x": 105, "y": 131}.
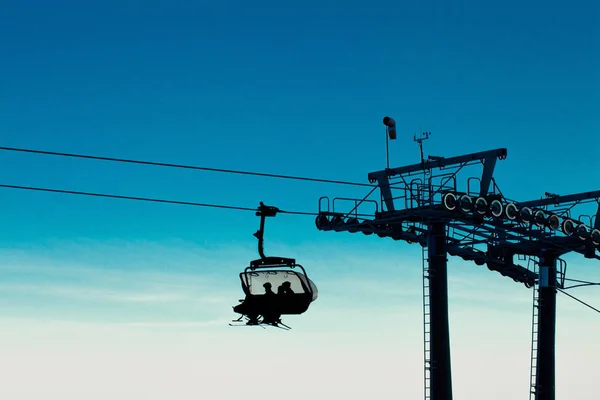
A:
{"x": 423, "y": 203}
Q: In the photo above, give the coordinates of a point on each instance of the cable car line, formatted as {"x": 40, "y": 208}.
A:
{"x": 296, "y": 290}
{"x": 580, "y": 283}
{"x": 148, "y": 199}
{"x": 575, "y": 298}
{"x": 194, "y": 167}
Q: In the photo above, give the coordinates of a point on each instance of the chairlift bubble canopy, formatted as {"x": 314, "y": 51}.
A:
{"x": 253, "y": 280}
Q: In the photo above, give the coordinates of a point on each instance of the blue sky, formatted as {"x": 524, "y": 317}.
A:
{"x": 295, "y": 88}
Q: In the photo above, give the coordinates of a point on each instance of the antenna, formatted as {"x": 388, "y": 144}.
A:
{"x": 420, "y": 142}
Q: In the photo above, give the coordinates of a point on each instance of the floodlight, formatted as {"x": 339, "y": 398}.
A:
{"x": 568, "y": 227}
{"x": 511, "y": 211}
{"x": 321, "y": 221}
{"x": 337, "y": 220}
{"x": 338, "y": 223}
{"x": 582, "y": 231}
{"x": 449, "y": 201}
{"x": 353, "y": 224}
{"x": 526, "y": 214}
{"x": 539, "y": 217}
{"x": 553, "y": 222}
{"x": 466, "y": 203}
{"x": 496, "y": 208}
{"x": 481, "y": 205}
{"x": 595, "y": 237}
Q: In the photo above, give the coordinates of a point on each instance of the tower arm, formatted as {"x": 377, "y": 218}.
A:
{"x": 441, "y": 163}
{"x": 486, "y": 176}
{"x": 555, "y": 200}
{"x": 383, "y": 182}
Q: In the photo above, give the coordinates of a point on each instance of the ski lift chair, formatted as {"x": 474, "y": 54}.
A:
{"x": 292, "y": 290}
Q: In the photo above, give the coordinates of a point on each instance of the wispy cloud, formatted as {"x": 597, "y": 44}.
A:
{"x": 188, "y": 279}
{"x": 91, "y": 293}
{"x": 174, "y": 324}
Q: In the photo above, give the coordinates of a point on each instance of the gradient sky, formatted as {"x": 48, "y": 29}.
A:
{"x": 104, "y": 297}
